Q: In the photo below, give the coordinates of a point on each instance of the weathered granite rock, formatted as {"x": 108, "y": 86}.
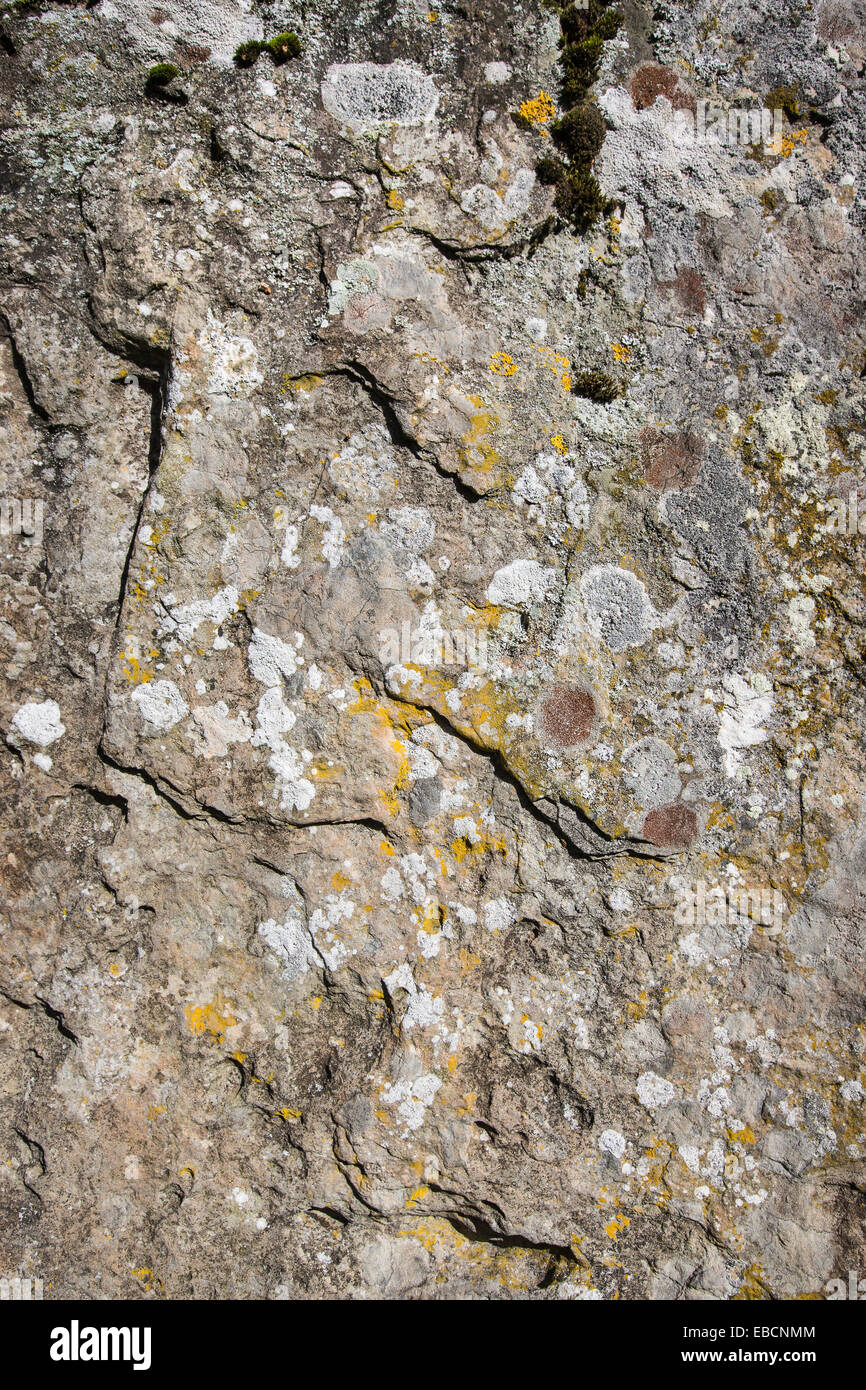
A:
{"x": 433, "y": 681}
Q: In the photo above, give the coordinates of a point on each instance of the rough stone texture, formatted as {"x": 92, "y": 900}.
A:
{"x": 326, "y": 971}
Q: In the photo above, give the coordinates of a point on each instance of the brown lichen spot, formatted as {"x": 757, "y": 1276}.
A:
{"x": 671, "y": 461}
{"x": 841, "y": 21}
{"x": 191, "y": 54}
{"x": 689, "y": 290}
{"x": 686, "y": 1021}
{"x": 671, "y": 827}
{"x": 567, "y": 716}
{"x": 651, "y": 80}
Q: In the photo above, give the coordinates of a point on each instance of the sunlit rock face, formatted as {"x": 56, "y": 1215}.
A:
{"x": 432, "y": 650}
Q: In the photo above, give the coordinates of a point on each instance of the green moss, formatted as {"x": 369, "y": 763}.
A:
{"x": 282, "y": 47}
{"x": 160, "y": 84}
{"x": 580, "y": 65}
{"x": 609, "y": 25}
{"x": 596, "y": 386}
{"x": 579, "y": 22}
{"x": 580, "y": 132}
{"x": 247, "y": 53}
{"x": 549, "y": 169}
{"x": 579, "y": 199}
{"x": 161, "y": 74}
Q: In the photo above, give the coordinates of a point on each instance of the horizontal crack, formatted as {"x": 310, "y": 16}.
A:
{"x": 595, "y": 844}
{"x": 205, "y": 813}
{"x": 482, "y": 251}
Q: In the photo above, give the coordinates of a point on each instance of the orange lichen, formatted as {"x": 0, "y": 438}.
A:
{"x": 213, "y": 1018}
{"x": 538, "y": 110}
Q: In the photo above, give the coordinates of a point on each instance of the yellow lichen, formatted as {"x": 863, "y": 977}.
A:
{"x": 213, "y": 1018}
{"x": 538, "y": 110}
{"x": 614, "y": 1228}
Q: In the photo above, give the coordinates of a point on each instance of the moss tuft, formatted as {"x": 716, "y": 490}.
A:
{"x": 161, "y": 74}
{"x": 580, "y": 132}
{"x": 549, "y": 169}
{"x": 788, "y": 98}
{"x": 608, "y": 25}
{"x": 580, "y": 65}
{"x": 282, "y": 47}
{"x": 159, "y": 84}
{"x": 579, "y": 22}
{"x": 247, "y": 53}
{"x": 579, "y": 199}
{"x": 521, "y": 121}
{"x": 596, "y": 386}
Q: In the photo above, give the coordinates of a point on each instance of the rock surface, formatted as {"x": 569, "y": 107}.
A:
{"x": 433, "y": 705}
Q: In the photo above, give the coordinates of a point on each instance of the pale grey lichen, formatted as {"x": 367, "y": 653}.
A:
{"x": 364, "y": 96}
{"x": 618, "y": 610}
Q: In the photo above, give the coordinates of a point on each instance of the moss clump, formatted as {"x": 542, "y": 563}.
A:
{"x": 609, "y": 25}
{"x": 580, "y": 132}
{"x": 161, "y": 74}
{"x": 585, "y": 29}
{"x": 579, "y": 199}
{"x": 279, "y": 49}
{"x": 579, "y": 22}
{"x": 596, "y": 386}
{"x": 160, "y": 80}
{"x": 788, "y": 98}
{"x": 282, "y": 47}
{"x": 247, "y": 53}
{"x": 549, "y": 169}
{"x": 580, "y": 65}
